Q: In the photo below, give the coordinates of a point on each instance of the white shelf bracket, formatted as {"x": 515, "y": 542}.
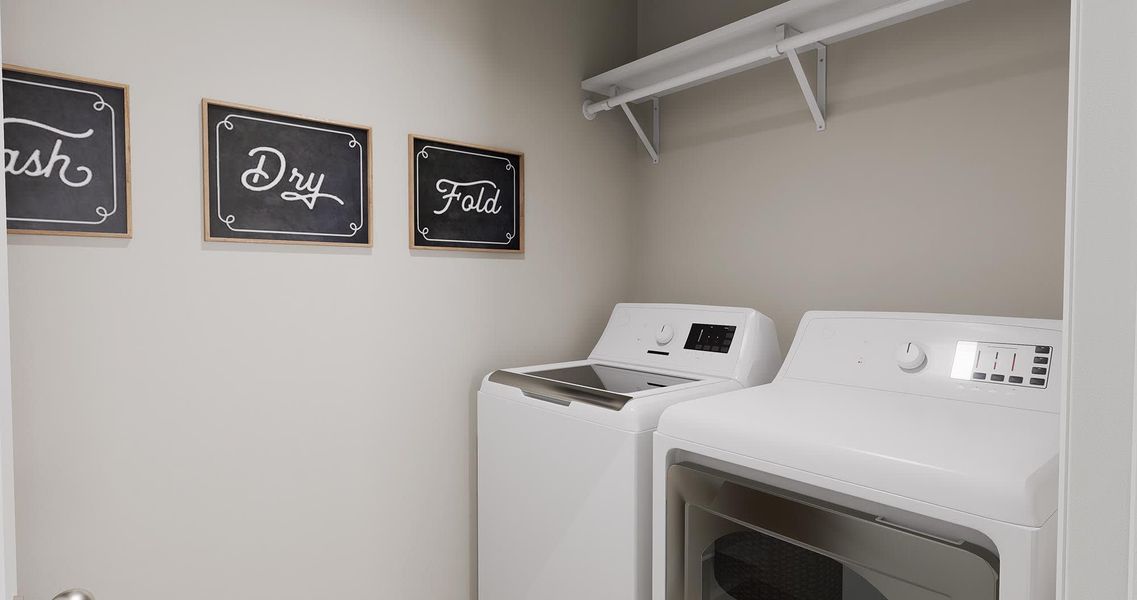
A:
{"x": 815, "y": 100}
{"x": 652, "y": 145}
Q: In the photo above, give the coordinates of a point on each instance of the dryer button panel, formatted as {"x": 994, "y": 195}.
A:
{"x": 1007, "y": 364}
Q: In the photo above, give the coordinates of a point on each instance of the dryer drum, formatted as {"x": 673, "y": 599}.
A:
{"x": 751, "y": 566}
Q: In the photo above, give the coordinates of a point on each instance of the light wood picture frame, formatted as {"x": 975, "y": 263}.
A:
{"x": 453, "y": 189}
{"x": 256, "y": 191}
{"x": 68, "y": 138}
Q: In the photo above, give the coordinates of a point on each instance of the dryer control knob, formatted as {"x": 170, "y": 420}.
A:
{"x": 910, "y": 356}
{"x": 664, "y": 334}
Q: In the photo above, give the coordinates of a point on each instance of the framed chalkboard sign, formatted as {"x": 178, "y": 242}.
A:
{"x": 466, "y": 197}
{"x": 66, "y": 154}
{"x": 279, "y": 178}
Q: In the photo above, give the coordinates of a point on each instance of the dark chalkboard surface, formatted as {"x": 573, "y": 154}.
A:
{"x": 465, "y": 197}
{"x": 272, "y": 177}
{"x": 66, "y": 155}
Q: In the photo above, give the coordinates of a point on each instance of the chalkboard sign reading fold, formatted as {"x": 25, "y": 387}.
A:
{"x": 66, "y": 155}
{"x": 465, "y": 197}
{"x": 272, "y": 177}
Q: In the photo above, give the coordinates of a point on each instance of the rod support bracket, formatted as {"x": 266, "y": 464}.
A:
{"x": 815, "y": 100}
{"x": 652, "y": 144}
{"x": 584, "y": 109}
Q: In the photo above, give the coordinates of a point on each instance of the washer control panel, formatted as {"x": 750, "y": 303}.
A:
{"x": 1006, "y": 364}
{"x": 715, "y": 341}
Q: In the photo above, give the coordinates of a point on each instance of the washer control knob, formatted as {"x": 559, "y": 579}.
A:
{"x": 910, "y": 356}
{"x": 664, "y": 334}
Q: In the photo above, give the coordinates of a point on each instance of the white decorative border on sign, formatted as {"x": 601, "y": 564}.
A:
{"x": 99, "y": 106}
{"x": 229, "y": 219}
{"x": 423, "y": 231}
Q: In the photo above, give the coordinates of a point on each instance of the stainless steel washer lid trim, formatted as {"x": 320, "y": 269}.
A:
{"x": 559, "y": 392}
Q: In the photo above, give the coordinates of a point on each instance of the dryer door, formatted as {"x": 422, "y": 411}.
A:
{"x": 737, "y": 540}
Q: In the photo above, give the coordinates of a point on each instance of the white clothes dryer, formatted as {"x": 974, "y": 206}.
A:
{"x": 564, "y": 450}
{"x": 894, "y": 457}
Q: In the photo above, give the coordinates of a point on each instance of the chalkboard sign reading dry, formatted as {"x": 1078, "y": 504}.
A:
{"x": 272, "y": 177}
{"x": 465, "y": 197}
{"x": 66, "y": 154}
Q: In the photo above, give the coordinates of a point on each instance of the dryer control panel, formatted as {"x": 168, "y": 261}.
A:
{"x": 990, "y": 360}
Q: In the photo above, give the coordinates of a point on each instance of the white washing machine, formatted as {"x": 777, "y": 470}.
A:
{"x": 564, "y": 450}
{"x": 894, "y": 457}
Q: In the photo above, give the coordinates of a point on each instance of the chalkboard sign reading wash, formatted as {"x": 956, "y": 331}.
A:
{"x": 272, "y": 177}
{"x": 66, "y": 154}
{"x": 465, "y": 197}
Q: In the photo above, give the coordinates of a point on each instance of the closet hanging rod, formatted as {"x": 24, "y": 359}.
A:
{"x": 775, "y": 50}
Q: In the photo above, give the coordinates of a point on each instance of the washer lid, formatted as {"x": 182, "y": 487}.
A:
{"x": 609, "y": 378}
{"x": 606, "y": 386}
{"x": 992, "y": 461}
{"x": 632, "y": 411}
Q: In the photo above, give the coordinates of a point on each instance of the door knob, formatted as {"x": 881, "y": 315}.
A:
{"x": 75, "y": 594}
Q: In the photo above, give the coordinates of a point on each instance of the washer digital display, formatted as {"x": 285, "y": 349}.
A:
{"x": 710, "y": 338}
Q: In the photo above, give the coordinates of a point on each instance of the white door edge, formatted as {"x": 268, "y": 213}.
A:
{"x": 7, "y": 483}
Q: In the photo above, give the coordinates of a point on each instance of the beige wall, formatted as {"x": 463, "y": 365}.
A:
{"x": 215, "y": 420}
{"x": 939, "y": 185}
{"x": 255, "y": 421}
